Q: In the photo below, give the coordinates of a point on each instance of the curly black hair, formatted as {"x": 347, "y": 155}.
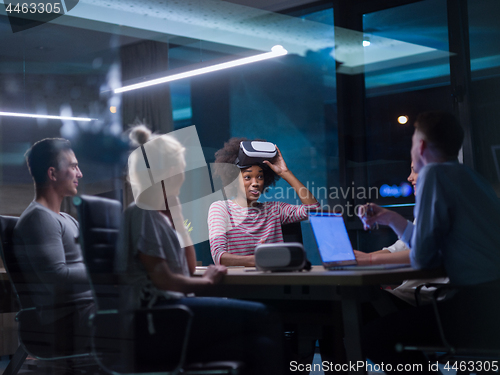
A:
{"x": 228, "y": 155}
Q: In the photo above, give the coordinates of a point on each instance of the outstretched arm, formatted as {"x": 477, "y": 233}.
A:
{"x": 372, "y": 214}
{"x": 163, "y": 278}
{"x": 228, "y": 259}
{"x": 280, "y": 168}
{"x": 382, "y": 257}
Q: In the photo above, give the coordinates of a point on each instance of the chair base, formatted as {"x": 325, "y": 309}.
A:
{"x": 16, "y": 362}
{"x": 218, "y": 367}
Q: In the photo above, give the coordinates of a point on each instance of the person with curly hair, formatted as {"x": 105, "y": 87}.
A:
{"x": 237, "y": 225}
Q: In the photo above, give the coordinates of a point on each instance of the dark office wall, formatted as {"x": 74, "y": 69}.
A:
{"x": 486, "y": 127}
{"x": 210, "y": 107}
{"x": 36, "y": 93}
{"x": 388, "y": 159}
{"x": 283, "y": 101}
{"x": 388, "y": 142}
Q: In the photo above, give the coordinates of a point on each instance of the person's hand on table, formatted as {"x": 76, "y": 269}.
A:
{"x": 363, "y": 259}
{"x": 215, "y": 273}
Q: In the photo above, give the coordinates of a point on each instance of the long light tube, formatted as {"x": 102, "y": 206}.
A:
{"x": 276, "y": 51}
{"x": 398, "y": 205}
{"x": 46, "y": 116}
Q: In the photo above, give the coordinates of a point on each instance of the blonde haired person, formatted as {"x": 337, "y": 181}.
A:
{"x": 158, "y": 260}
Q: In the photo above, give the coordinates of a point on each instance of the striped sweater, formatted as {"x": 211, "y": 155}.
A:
{"x": 238, "y": 230}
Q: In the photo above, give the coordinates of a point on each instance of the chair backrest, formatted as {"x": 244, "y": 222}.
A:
{"x": 292, "y": 232}
{"x": 17, "y": 278}
{"x": 7, "y": 224}
{"x": 100, "y": 220}
{"x": 120, "y": 348}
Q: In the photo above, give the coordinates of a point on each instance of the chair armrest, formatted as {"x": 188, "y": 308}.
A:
{"x": 466, "y": 322}
{"x": 25, "y": 310}
{"x": 418, "y": 290}
{"x": 142, "y": 340}
{"x": 218, "y": 367}
{"x": 446, "y": 291}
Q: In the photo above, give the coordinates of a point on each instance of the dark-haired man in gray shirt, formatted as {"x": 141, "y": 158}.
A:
{"x": 46, "y": 248}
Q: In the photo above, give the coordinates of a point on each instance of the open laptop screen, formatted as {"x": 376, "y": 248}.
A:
{"x": 331, "y": 236}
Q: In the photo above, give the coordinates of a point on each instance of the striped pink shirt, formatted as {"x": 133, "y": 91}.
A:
{"x": 238, "y": 230}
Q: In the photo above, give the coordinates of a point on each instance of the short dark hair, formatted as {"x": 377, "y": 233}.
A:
{"x": 228, "y": 155}
{"x": 442, "y": 130}
{"x": 43, "y": 155}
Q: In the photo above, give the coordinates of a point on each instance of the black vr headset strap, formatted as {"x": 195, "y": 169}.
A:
{"x": 151, "y": 177}
{"x": 307, "y": 266}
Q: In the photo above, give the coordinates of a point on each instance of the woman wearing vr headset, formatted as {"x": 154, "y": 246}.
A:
{"x": 240, "y": 223}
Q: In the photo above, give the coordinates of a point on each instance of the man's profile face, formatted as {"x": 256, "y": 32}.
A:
{"x": 416, "y": 158}
{"x": 67, "y": 174}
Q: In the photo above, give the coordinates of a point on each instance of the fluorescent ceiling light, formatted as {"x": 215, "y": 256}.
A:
{"x": 276, "y": 51}
{"x": 225, "y": 24}
{"x": 46, "y": 116}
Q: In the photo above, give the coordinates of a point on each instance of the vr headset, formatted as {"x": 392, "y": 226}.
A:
{"x": 281, "y": 257}
{"x": 254, "y": 152}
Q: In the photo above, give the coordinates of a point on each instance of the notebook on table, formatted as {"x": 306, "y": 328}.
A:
{"x": 334, "y": 246}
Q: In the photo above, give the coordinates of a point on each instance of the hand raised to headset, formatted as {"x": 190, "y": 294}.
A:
{"x": 278, "y": 165}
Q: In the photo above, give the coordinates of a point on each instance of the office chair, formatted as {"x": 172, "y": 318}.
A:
{"x": 39, "y": 341}
{"x": 475, "y": 316}
{"x": 292, "y": 232}
{"x": 418, "y": 291}
{"x": 120, "y": 339}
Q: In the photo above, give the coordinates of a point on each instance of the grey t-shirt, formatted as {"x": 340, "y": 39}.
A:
{"x": 49, "y": 255}
{"x": 150, "y": 233}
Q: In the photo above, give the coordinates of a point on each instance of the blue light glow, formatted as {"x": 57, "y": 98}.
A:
{"x": 403, "y": 190}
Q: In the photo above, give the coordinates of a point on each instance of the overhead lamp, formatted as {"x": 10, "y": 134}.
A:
{"x": 403, "y": 120}
{"x": 276, "y": 51}
{"x": 13, "y": 114}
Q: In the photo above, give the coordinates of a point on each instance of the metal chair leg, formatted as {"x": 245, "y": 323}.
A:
{"x": 16, "y": 362}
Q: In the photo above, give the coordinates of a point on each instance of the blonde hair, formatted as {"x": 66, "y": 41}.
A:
{"x": 158, "y": 158}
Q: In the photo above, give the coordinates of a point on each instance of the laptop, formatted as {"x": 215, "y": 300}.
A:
{"x": 334, "y": 246}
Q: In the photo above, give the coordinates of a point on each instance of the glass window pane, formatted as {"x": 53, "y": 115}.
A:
{"x": 484, "y": 30}
{"x": 398, "y": 90}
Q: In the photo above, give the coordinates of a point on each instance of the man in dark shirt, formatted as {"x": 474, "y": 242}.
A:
{"x": 46, "y": 245}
